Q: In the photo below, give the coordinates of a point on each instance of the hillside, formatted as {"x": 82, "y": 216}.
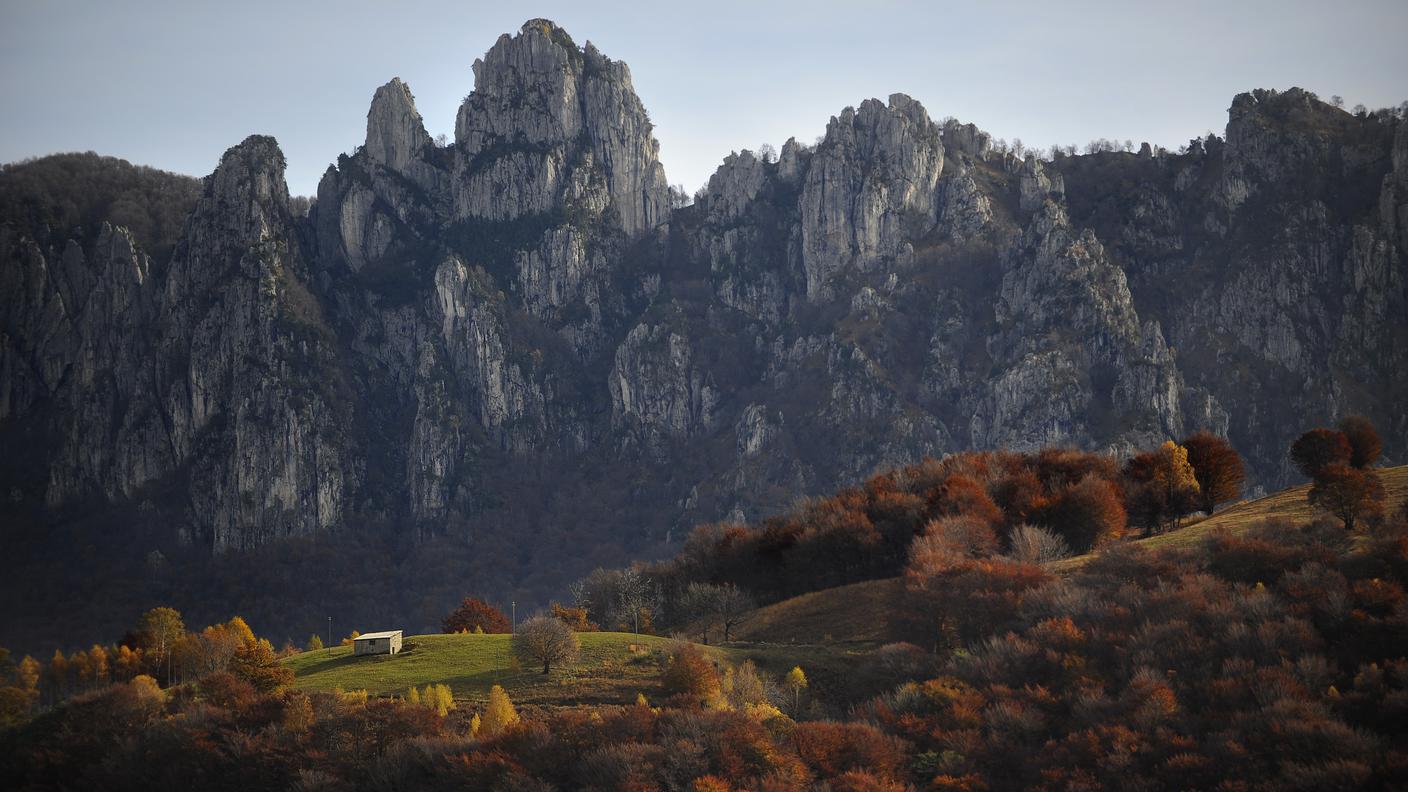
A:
{"x": 612, "y": 669}
{"x": 864, "y": 612}
{"x": 869, "y": 612}
{"x": 1290, "y": 504}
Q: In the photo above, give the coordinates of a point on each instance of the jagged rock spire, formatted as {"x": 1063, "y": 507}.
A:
{"x": 549, "y": 123}
{"x": 395, "y": 133}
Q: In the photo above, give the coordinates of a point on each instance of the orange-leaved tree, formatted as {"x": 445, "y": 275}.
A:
{"x": 1365, "y": 445}
{"x": 474, "y": 612}
{"x": 1349, "y": 493}
{"x": 1218, "y": 468}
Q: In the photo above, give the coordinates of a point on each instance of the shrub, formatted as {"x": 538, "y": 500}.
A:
{"x": 689, "y": 674}
{"x": 1032, "y": 544}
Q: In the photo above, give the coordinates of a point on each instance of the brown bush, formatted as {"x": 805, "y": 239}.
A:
{"x": 689, "y": 673}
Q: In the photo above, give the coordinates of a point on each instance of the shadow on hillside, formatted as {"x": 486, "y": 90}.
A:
{"x": 341, "y": 661}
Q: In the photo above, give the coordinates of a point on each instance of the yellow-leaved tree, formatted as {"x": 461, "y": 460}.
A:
{"x": 499, "y": 715}
{"x": 436, "y": 697}
{"x": 1176, "y": 476}
{"x": 796, "y": 682}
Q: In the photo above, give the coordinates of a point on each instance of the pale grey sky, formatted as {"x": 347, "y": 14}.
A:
{"x": 173, "y": 83}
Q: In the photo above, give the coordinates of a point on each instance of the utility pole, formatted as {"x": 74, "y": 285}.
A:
{"x": 329, "y": 632}
{"x": 513, "y": 618}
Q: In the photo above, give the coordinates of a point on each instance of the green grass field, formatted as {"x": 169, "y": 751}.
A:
{"x": 612, "y": 668}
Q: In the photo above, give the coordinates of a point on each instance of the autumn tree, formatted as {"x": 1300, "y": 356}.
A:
{"x": 315, "y": 642}
{"x": 796, "y": 682}
{"x": 126, "y": 663}
{"x": 1087, "y": 514}
{"x": 1217, "y": 467}
{"x": 1349, "y": 493}
{"x": 256, "y": 663}
{"x": 163, "y": 628}
{"x": 1365, "y": 445}
{"x": 574, "y": 617}
{"x": 689, "y": 674}
{"x": 21, "y": 694}
{"x": 436, "y": 697}
{"x": 543, "y": 639}
{"x": 474, "y": 612}
{"x": 215, "y": 647}
{"x": 1162, "y": 487}
{"x": 499, "y": 714}
{"x": 1318, "y": 449}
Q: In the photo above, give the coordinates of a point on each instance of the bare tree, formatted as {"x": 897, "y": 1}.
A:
{"x": 679, "y": 197}
{"x": 636, "y": 593}
{"x": 1033, "y": 544}
{"x": 724, "y": 606}
{"x": 543, "y": 639}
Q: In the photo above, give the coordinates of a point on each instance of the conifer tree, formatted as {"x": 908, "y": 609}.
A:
{"x": 499, "y": 715}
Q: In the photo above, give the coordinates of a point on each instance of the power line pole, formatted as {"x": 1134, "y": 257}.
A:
{"x": 329, "y": 632}
{"x": 513, "y": 618}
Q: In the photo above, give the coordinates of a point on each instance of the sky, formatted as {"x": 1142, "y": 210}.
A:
{"x": 174, "y": 84}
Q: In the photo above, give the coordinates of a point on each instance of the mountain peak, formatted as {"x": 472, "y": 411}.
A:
{"x": 559, "y": 121}
{"x": 249, "y": 182}
{"x": 395, "y": 131}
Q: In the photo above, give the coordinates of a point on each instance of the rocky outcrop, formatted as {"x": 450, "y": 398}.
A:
{"x": 550, "y": 126}
{"x": 396, "y": 136}
{"x": 966, "y": 211}
{"x": 870, "y": 187}
{"x": 248, "y": 373}
{"x": 1061, "y": 284}
{"x": 1037, "y": 187}
{"x": 657, "y": 391}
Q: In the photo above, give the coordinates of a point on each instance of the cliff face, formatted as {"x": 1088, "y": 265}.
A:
{"x": 449, "y": 324}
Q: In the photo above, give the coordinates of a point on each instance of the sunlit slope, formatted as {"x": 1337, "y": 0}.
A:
{"x": 871, "y": 611}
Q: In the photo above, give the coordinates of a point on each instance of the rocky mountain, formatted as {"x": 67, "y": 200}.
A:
{"x": 516, "y": 342}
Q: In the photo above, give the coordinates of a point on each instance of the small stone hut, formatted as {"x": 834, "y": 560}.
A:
{"x": 388, "y": 642}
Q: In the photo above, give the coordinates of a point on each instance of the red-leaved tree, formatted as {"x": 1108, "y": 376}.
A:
{"x": 474, "y": 612}
{"x": 1317, "y": 449}
{"x": 1365, "y": 445}
{"x": 1218, "y": 468}
{"x": 1349, "y": 493}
